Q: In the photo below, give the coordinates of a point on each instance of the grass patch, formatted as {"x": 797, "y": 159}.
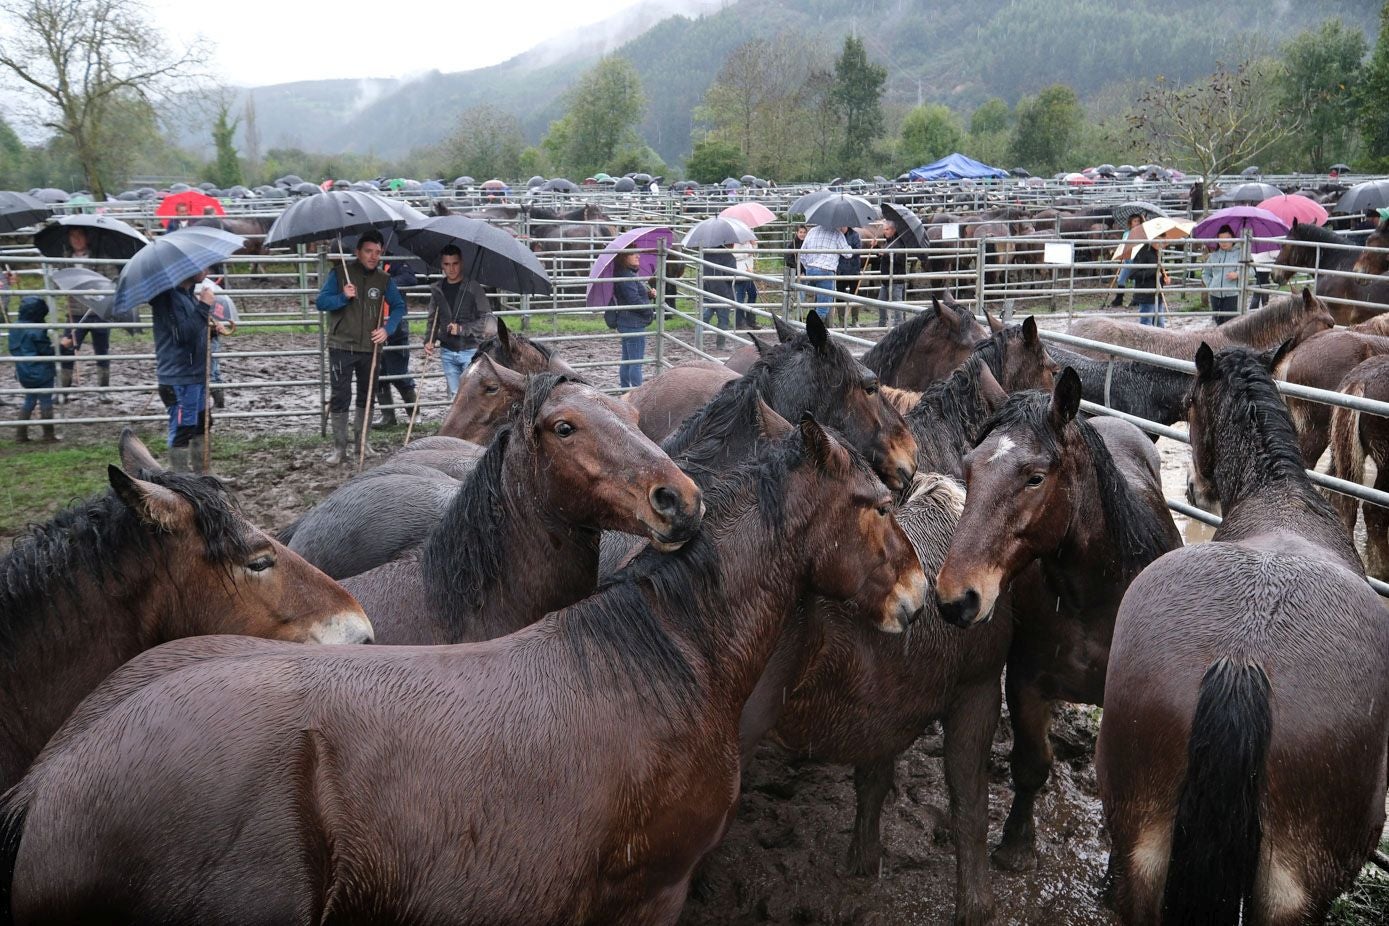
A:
{"x": 1367, "y": 902}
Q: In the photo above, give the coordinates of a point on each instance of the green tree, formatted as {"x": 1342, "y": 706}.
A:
{"x": 857, "y": 93}
{"x": 1046, "y": 127}
{"x": 227, "y": 169}
{"x": 486, "y": 142}
{"x": 929, "y": 133}
{"x": 91, "y": 63}
{"x": 13, "y": 159}
{"x": 992, "y": 116}
{"x": 1321, "y": 70}
{"x": 712, "y": 160}
{"x": 1373, "y": 116}
{"x": 604, "y": 109}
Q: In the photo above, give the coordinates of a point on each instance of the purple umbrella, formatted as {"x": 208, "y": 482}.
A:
{"x": 1260, "y": 222}
{"x": 646, "y": 240}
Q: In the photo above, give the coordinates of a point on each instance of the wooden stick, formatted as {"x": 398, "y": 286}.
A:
{"x": 366, "y": 420}
{"x": 415, "y": 410}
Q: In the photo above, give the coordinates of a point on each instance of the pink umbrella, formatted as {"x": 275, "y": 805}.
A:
{"x": 750, "y": 214}
{"x": 643, "y": 240}
{"x": 1078, "y": 180}
{"x": 1290, "y": 207}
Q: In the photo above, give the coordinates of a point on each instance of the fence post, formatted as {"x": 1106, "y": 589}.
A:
{"x": 322, "y": 354}
{"x": 699, "y": 299}
{"x": 1245, "y": 255}
{"x": 660, "y": 300}
{"x": 981, "y": 252}
{"x": 787, "y": 280}
{"x": 525, "y": 297}
{"x": 303, "y": 282}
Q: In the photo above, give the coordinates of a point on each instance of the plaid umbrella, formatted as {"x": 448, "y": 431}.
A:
{"x": 169, "y": 261}
{"x": 1137, "y": 207}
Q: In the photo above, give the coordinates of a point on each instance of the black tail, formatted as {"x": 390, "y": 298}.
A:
{"x": 1216, "y": 834}
{"x": 12, "y": 814}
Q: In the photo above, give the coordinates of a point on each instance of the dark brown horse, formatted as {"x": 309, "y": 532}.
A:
{"x": 520, "y": 353}
{"x": 575, "y": 771}
{"x": 487, "y": 393}
{"x": 926, "y": 347}
{"x": 1330, "y": 255}
{"x": 949, "y": 416}
{"x": 1241, "y": 757}
{"x": 1355, "y": 436}
{"x": 520, "y": 538}
{"x": 159, "y": 556}
{"x": 1282, "y": 318}
{"x": 1061, "y": 514}
{"x": 1322, "y": 361}
{"x": 1016, "y": 356}
{"x": 1374, "y": 258}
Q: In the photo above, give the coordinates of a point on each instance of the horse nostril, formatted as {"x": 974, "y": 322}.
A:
{"x": 961, "y": 611}
{"x": 665, "y": 501}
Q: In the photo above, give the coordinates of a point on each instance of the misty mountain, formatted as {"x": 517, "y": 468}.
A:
{"x": 958, "y": 54}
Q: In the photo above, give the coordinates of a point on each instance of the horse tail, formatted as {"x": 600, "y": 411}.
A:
{"x": 1347, "y": 455}
{"x": 1216, "y": 833}
{"x": 13, "y": 811}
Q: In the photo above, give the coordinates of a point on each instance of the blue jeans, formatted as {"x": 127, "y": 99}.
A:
{"x": 40, "y": 397}
{"x": 186, "y": 405}
{"x": 745, "y": 291}
{"x": 821, "y": 278}
{"x": 633, "y": 348}
{"x": 1150, "y": 313}
{"x": 454, "y": 363}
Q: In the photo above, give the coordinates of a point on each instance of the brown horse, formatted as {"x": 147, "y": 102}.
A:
{"x": 1282, "y": 318}
{"x": 664, "y": 401}
{"x": 159, "y": 556}
{"x": 1355, "y": 436}
{"x": 487, "y": 393}
{"x": 1330, "y": 256}
{"x": 1322, "y": 361}
{"x": 518, "y": 352}
{"x": 926, "y": 347}
{"x": 948, "y": 417}
{"x": 520, "y": 537}
{"x": 1375, "y": 258}
{"x": 575, "y": 771}
{"x": 1016, "y": 356}
{"x": 1061, "y": 514}
{"x": 1241, "y": 757}
{"x": 743, "y": 358}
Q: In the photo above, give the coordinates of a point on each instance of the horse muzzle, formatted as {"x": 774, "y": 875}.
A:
{"x": 343, "y": 628}
{"x": 677, "y": 519}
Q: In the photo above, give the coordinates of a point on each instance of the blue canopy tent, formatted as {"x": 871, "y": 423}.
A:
{"x": 957, "y": 167}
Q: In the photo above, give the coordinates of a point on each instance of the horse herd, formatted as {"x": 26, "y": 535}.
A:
{"x": 594, "y": 609}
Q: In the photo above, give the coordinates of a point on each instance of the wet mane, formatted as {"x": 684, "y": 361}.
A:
{"x": 1138, "y": 536}
{"x": 946, "y": 419}
{"x": 462, "y": 558}
{"x": 886, "y": 357}
{"x": 994, "y": 349}
{"x": 1279, "y": 312}
{"x": 492, "y": 347}
{"x": 830, "y": 374}
{"x": 103, "y": 540}
{"x": 702, "y": 439}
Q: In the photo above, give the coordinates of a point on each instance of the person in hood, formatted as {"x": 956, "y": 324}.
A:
{"x": 35, "y": 376}
{"x": 183, "y": 328}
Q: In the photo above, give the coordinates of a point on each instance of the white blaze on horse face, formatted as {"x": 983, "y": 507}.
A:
{"x": 1005, "y": 447}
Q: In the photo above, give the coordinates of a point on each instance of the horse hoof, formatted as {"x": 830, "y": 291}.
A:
{"x": 1011, "y": 858}
{"x": 865, "y": 863}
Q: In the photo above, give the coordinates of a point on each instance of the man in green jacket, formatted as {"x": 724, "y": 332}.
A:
{"x": 364, "y": 311}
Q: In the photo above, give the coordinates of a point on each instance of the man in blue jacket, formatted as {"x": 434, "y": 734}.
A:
{"x": 182, "y": 326}
{"x": 357, "y": 325}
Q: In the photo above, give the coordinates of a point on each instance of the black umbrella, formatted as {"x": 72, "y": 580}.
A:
{"x": 50, "y": 195}
{"x": 1248, "y": 193}
{"x": 718, "y": 232}
{"x": 907, "y": 223}
{"x": 289, "y": 180}
{"x": 624, "y": 185}
{"x": 491, "y": 256}
{"x": 1372, "y": 194}
{"x": 808, "y": 201}
{"x": 80, "y": 281}
{"x": 464, "y": 181}
{"x": 534, "y": 182}
{"x": 393, "y": 252}
{"x": 129, "y": 196}
{"x": 1250, "y": 171}
{"x": 1020, "y": 172}
{"x": 332, "y": 215}
{"x": 747, "y": 178}
{"x": 642, "y": 178}
{"x": 840, "y": 210}
{"x": 106, "y": 237}
{"x": 559, "y": 185}
{"x": 179, "y": 188}
{"x": 274, "y": 192}
{"x": 1340, "y": 168}
{"x": 879, "y": 178}
{"x": 20, "y": 210}
{"x": 306, "y": 189}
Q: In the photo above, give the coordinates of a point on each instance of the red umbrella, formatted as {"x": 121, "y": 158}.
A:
{"x": 196, "y": 200}
{"x": 1291, "y": 207}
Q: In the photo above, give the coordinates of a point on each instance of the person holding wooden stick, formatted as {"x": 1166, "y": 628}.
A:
{"x": 182, "y": 326}
{"x": 355, "y": 298}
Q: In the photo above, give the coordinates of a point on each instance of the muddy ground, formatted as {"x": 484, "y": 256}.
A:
{"x": 783, "y": 860}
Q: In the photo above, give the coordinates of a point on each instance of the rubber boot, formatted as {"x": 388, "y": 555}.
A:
{"x": 219, "y": 399}
{"x": 338, "y": 455}
{"x": 196, "y": 447}
{"x": 180, "y": 460}
{"x": 65, "y": 382}
{"x": 359, "y": 421}
{"x": 412, "y": 400}
{"x": 383, "y": 402}
{"x": 49, "y": 434}
{"x": 103, "y": 379}
{"x": 21, "y": 433}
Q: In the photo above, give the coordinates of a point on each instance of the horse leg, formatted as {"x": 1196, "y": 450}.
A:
{"x": 1030, "y": 760}
{"x": 1377, "y": 530}
{"x": 872, "y": 783}
{"x": 969, "y": 732}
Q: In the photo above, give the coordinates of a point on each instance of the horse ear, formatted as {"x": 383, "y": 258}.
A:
{"x": 1065, "y": 398}
{"x": 995, "y": 326}
{"x": 990, "y": 391}
{"x": 503, "y": 342}
{"x": 1029, "y": 331}
{"x": 784, "y": 332}
{"x": 1294, "y": 225}
{"x": 819, "y": 445}
{"x": 815, "y": 330}
{"x": 135, "y": 456}
{"x": 154, "y": 505}
{"x": 771, "y": 425}
{"x": 1274, "y": 357}
{"x": 1205, "y": 361}
{"x": 508, "y": 377}
{"x": 760, "y": 346}
{"x": 1309, "y": 299}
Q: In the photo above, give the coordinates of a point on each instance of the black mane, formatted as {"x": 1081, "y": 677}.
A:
{"x": 994, "y": 349}
{"x": 463, "y": 558}
{"x": 102, "y": 540}
{"x": 1142, "y": 389}
{"x": 1137, "y": 534}
{"x": 886, "y": 357}
{"x": 795, "y": 376}
{"x": 1310, "y": 231}
{"x": 705, "y": 440}
{"x": 946, "y": 419}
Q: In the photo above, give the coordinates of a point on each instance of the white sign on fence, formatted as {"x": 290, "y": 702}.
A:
{"x": 1058, "y": 252}
{"x": 950, "y": 232}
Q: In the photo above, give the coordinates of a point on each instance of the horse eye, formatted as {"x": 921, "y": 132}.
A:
{"x": 261, "y": 563}
{"x": 1035, "y": 480}
{"x": 883, "y": 511}
{"x": 564, "y": 429}
{"x": 492, "y": 390}
{"x": 871, "y": 389}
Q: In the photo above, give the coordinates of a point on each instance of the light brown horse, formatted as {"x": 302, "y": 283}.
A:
{"x": 1242, "y": 754}
{"x": 158, "y": 557}
{"x": 664, "y": 401}
{"x": 575, "y": 771}
{"x": 925, "y": 348}
{"x": 520, "y": 537}
{"x": 1322, "y": 361}
{"x": 1355, "y": 436}
{"x": 1282, "y": 318}
{"x": 1061, "y": 514}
